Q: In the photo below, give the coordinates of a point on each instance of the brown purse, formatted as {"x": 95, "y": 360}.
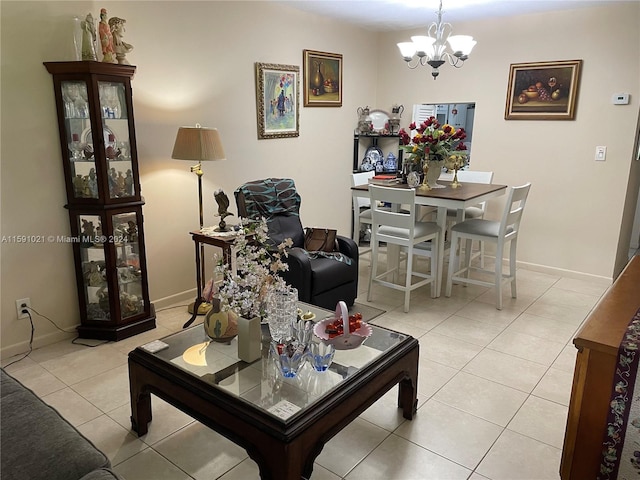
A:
{"x": 320, "y": 240}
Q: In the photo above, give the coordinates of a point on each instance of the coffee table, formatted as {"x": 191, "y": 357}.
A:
{"x": 283, "y": 423}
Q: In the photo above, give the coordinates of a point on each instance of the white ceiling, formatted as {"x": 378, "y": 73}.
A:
{"x": 381, "y": 15}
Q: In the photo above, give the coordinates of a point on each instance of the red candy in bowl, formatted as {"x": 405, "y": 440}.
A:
{"x": 342, "y": 331}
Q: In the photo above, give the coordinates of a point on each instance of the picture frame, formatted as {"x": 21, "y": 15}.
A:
{"x": 543, "y": 90}
{"x": 277, "y": 100}
{"x": 322, "y": 79}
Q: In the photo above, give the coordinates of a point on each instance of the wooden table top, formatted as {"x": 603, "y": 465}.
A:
{"x": 608, "y": 321}
{"x": 466, "y": 191}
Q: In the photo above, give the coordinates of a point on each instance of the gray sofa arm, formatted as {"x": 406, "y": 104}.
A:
{"x": 36, "y": 443}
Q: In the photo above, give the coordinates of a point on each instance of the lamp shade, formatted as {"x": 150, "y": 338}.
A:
{"x": 198, "y": 143}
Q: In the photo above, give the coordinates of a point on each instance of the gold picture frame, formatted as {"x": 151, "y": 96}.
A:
{"x": 322, "y": 78}
{"x": 543, "y": 90}
{"x": 277, "y": 100}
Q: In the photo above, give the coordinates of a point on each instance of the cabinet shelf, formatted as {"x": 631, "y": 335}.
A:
{"x": 363, "y": 141}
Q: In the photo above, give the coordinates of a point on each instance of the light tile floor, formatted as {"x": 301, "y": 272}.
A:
{"x": 493, "y": 390}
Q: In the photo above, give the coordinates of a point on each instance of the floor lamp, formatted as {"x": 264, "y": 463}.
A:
{"x": 198, "y": 144}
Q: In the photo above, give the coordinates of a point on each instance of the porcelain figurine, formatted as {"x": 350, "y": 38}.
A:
{"x": 121, "y": 47}
{"x": 106, "y": 39}
{"x": 88, "y": 38}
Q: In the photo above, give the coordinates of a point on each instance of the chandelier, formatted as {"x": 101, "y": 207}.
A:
{"x": 430, "y": 49}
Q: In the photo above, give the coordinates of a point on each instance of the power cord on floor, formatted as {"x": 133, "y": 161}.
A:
{"x": 74, "y": 341}
{"x": 33, "y": 329}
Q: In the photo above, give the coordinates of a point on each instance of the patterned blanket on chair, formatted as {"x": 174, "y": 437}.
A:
{"x": 621, "y": 445}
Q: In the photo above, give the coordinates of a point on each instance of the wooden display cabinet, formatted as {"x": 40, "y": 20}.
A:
{"x": 97, "y": 139}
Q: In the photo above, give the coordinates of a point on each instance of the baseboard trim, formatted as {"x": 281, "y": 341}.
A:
{"x": 188, "y": 296}
{"x": 605, "y": 281}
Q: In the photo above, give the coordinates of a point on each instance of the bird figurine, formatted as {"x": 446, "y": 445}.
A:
{"x": 223, "y": 204}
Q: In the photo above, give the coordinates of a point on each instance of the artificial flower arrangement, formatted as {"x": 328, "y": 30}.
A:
{"x": 245, "y": 288}
{"x": 432, "y": 141}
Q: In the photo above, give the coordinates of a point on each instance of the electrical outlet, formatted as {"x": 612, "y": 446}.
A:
{"x": 21, "y": 307}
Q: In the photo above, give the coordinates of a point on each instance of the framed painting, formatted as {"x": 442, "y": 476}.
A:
{"x": 543, "y": 90}
{"x": 278, "y": 100}
{"x": 322, "y": 74}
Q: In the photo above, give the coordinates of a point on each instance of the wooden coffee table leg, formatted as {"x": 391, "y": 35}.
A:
{"x": 281, "y": 461}
{"x": 140, "y": 401}
{"x": 408, "y": 387}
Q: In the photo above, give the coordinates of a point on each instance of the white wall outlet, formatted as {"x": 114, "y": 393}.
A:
{"x": 21, "y": 305}
{"x": 620, "y": 99}
{"x": 601, "y": 154}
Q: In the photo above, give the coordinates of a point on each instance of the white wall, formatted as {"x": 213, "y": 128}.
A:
{"x": 196, "y": 64}
{"x": 575, "y": 210}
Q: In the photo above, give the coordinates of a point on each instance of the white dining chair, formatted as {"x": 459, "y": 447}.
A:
{"x": 361, "y": 205}
{"x": 475, "y": 211}
{"x": 400, "y": 228}
{"x": 500, "y": 233}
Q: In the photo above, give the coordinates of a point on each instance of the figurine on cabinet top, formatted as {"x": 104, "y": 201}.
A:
{"x": 121, "y": 47}
{"x": 106, "y": 38}
{"x": 88, "y": 38}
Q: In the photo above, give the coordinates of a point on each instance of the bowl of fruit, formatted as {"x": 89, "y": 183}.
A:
{"x": 343, "y": 331}
{"x": 330, "y": 86}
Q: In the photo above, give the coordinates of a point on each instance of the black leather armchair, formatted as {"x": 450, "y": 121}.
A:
{"x": 321, "y": 279}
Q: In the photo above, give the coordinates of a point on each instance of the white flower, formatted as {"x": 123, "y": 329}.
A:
{"x": 256, "y": 271}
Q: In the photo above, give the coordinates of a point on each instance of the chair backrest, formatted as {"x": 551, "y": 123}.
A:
{"x": 513, "y": 210}
{"x": 404, "y": 219}
{"x": 361, "y": 178}
{"x": 277, "y": 200}
{"x": 475, "y": 176}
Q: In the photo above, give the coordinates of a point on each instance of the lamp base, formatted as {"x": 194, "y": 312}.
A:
{"x": 203, "y": 308}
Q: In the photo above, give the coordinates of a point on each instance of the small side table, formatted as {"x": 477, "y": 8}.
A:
{"x": 200, "y": 239}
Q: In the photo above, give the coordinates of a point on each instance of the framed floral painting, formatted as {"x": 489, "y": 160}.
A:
{"x": 543, "y": 90}
{"x": 277, "y": 100}
{"x": 322, "y": 79}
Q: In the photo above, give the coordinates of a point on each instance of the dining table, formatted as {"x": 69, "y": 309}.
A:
{"x": 465, "y": 195}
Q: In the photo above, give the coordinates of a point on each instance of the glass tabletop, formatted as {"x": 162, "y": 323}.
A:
{"x": 261, "y": 383}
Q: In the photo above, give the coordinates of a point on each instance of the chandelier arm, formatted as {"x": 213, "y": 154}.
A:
{"x": 454, "y": 60}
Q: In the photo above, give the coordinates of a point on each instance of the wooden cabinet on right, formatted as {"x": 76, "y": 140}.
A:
{"x": 597, "y": 343}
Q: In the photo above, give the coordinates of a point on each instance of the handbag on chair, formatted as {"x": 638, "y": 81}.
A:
{"x": 320, "y": 240}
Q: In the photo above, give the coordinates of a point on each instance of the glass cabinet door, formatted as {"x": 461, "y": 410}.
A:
{"x": 94, "y": 267}
{"x": 113, "y": 110}
{"x": 84, "y": 176}
{"x": 126, "y": 240}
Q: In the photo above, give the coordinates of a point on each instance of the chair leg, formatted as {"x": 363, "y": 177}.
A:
{"x": 453, "y": 260}
{"x": 481, "y": 253}
{"x": 512, "y": 267}
{"x": 408, "y": 279}
{"x": 467, "y": 256}
{"x": 373, "y": 270}
{"x": 356, "y": 227}
{"x": 434, "y": 266}
{"x": 498, "y": 280}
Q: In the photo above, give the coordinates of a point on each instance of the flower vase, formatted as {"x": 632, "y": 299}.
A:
{"x": 220, "y": 326}
{"x": 249, "y": 339}
{"x": 433, "y": 173}
{"x": 455, "y": 183}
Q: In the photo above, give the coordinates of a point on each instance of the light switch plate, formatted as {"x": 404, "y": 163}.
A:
{"x": 601, "y": 154}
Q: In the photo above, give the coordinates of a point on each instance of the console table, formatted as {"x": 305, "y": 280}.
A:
{"x": 200, "y": 239}
{"x": 597, "y": 343}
